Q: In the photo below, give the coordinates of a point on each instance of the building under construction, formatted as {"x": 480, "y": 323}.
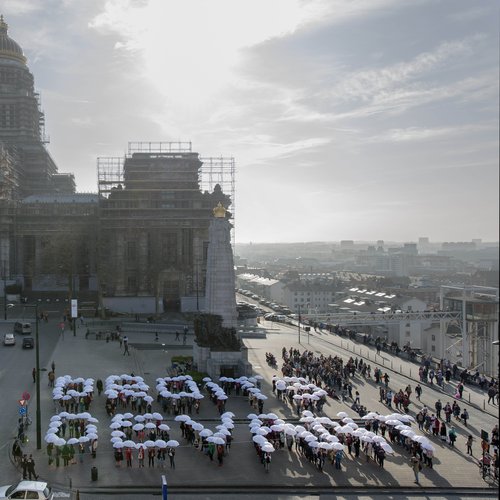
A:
{"x": 139, "y": 244}
{"x": 154, "y": 215}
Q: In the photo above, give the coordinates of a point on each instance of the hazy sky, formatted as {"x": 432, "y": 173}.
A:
{"x": 348, "y": 119}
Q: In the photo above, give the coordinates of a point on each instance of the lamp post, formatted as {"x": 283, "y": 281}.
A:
{"x": 298, "y": 305}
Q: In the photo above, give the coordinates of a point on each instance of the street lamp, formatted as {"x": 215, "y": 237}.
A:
{"x": 37, "y": 379}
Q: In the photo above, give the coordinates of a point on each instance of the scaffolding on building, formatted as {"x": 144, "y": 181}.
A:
{"x": 214, "y": 170}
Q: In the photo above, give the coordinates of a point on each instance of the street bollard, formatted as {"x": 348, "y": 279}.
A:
{"x": 469, "y": 397}
{"x": 391, "y": 364}
{"x": 484, "y": 404}
{"x": 400, "y": 369}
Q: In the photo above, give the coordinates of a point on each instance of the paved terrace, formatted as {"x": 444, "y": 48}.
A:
{"x": 241, "y": 471}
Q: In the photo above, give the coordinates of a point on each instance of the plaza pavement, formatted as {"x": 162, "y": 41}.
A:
{"x": 77, "y": 356}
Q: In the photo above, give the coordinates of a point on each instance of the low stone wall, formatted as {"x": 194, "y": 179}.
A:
{"x": 212, "y": 362}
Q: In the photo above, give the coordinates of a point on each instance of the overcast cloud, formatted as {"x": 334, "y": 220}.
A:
{"x": 348, "y": 119}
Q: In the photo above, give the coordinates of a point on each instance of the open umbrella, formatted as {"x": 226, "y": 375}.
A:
{"x": 150, "y": 425}
{"x": 157, "y": 416}
{"x": 172, "y": 443}
{"x": 72, "y": 441}
{"x": 83, "y": 439}
{"x": 206, "y": 433}
{"x": 227, "y": 414}
{"x": 182, "y": 418}
{"x": 159, "y": 443}
{"x": 342, "y": 414}
{"x": 118, "y": 434}
{"x": 149, "y": 443}
{"x": 51, "y": 438}
{"x": 139, "y": 418}
{"x": 116, "y": 440}
{"x": 259, "y": 439}
{"x": 197, "y": 426}
{"x": 164, "y": 427}
{"x": 217, "y": 440}
{"x": 337, "y": 446}
{"x": 138, "y": 427}
{"x": 118, "y": 444}
{"x": 267, "y": 447}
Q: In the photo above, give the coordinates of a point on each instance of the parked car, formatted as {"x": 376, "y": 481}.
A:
{"x": 28, "y": 343}
{"x": 9, "y": 339}
{"x": 27, "y": 489}
{"x": 22, "y": 327}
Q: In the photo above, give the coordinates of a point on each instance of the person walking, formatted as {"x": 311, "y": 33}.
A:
{"x": 128, "y": 456}
{"x": 416, "y": 466}
{"x": 33, "y": 373}
{"x": 452, "y": 436}
{"x": 125, "y": 346}
{"x": 465, "y": 416}
{"x": 418, "y": 391}
{"x": 171, "y": 456}
{"x": 177, "y": 335}
{"x": 470, "y": 439}
{"x": 24, "y": 465}
{"x": 31, "y": 468}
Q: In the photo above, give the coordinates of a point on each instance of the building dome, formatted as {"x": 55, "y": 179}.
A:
{"x": 9, "y": 49}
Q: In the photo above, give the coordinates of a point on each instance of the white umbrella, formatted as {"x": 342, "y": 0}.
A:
{"x": 277, "y": 428}
{"x": 149, "y": 443}
{"x": 267, "y": 447}
{"x": 290, "y": 432}
{"x": 342, "y": 414}
{"x": 60, "y": 442}
{"x": 157, "y": 416}
{"x": 259, "y": 439}
{"x": 51, "y": 438}
{"x": 84, "y": 439}
{"x": 116, "y": 440}
{"x": 72, "y": 441}
{"x": 128, "y": 415}
{"x": 197, "y": 426}
{"x": 92, "y": 435}
{"x": 139, "y": 418}
{"x": 129, "y": 444}
{"x": 217, "y": 440}
{"x": 337, "y": 446}
{"x": 138, "y": 427}
{"x": 325, "y": 446}
{"x": 118, "y": 434}
{"x": 118, "y": 444}
{"x": 252, "y": 416}
{"x": 228, "y": 425}
{"x": 93, "y": 420}
{"x": 164, "y": 427}
{"x": 223, "y": 431}
{"x": 172, "y": 443}
{"x": 386, "y": 447}
{"x": 159, "y": 443}
{"x": 182, "y": 418}
{"x": 227, "y": 414}
{"x": 150, "y": 425}
{"x": 206, "y": 433}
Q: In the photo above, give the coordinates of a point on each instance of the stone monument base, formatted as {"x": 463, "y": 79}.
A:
{"x": 222, "y": 363}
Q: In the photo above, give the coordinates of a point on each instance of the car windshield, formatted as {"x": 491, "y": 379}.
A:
{"x": 10, "y": 490}
{"x": 46, "y": 492}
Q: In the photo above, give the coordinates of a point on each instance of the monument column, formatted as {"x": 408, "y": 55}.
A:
{"x": 220, "y": 298}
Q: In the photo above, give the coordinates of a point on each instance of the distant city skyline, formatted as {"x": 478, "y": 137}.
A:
{"x": 348, "y": 119}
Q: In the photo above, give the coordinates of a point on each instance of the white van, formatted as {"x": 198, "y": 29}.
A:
{"x": 20, "y": 327}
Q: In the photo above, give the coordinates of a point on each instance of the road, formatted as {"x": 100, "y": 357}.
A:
{"x": 16, "y": 365}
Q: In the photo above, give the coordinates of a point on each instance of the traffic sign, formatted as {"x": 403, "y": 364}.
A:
{"x": 22, "y": 402}
{"x": 22, "y": 410}
{"x": 26, "y": 395}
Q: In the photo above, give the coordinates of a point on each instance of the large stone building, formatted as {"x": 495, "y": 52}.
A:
{"x": 138, "y": 245}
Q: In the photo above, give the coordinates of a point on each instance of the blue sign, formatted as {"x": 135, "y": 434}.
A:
{"x": 22, "y": 410}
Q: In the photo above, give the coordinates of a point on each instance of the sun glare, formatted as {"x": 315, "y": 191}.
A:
{"x": 188, "y": 48}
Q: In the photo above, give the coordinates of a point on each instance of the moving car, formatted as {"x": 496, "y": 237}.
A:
{"x": 22, "y": 327}
{"x": 27, "y": 489}
{"x": 9, "y": 339}
{"x": 28, "y": 343}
